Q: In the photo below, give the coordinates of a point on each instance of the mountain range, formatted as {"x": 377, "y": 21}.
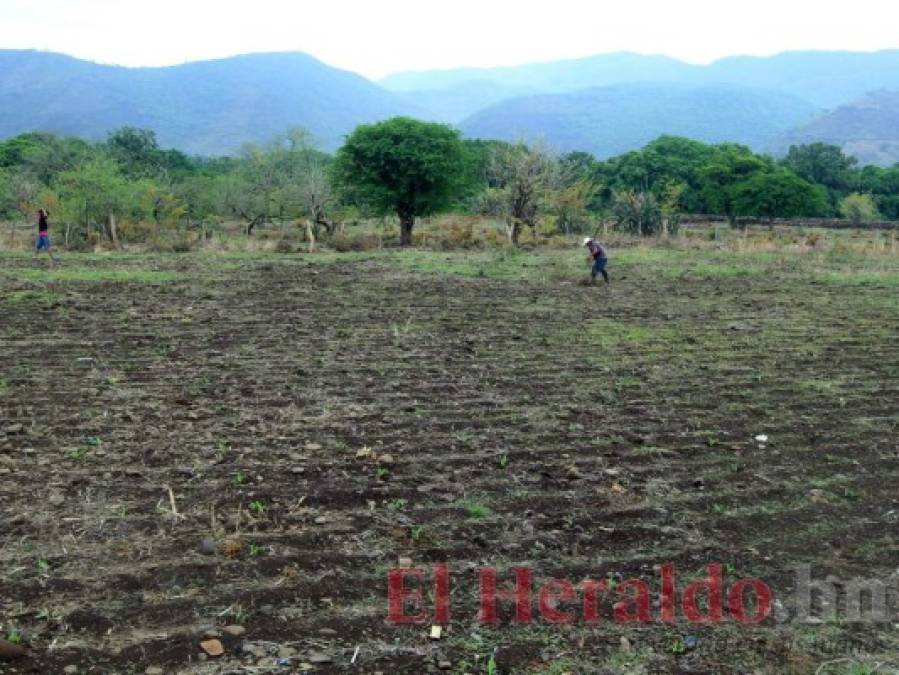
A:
{"x": 605, "y": 104}
{"x": 207, "y": 108}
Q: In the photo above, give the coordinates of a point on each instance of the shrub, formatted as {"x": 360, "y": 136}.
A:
{"x": 638, "y": 213}
{"x": 859, "y": 208}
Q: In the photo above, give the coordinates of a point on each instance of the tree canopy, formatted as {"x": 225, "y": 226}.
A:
{"x": 402, "y": 166}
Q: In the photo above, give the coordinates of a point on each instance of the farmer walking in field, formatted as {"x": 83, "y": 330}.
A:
{"x": 43, "y": 233}
{"x": 599, "y": 257}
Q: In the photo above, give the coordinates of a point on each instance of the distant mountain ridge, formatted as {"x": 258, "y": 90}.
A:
{"x": 824, "y": 78}
{"x": 606, "y": 104}
{"x": 867, "y": 128}
{"x": 208, "y": 107}
{"x": 607, "y": 121}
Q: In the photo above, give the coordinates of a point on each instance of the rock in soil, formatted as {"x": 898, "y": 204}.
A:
{"x": 70, "y": 670}
{"x": 154, "y": 670}
{"x": 319, "y": 659}
{"x": 253, "y": 649}
{"x": 207, "y": 547}
{"x": 234, "y": 631}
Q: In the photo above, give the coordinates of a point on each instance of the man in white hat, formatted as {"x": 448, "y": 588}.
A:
{"x": 599, "y": 258}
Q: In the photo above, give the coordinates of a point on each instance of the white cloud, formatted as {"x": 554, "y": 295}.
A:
{"x": 378, "y": 37}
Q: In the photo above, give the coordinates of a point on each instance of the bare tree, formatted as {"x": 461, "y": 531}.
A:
{"x": 524, "y": 176}
{"x": 285, "y": 179}
{"x": 24, "y": 192}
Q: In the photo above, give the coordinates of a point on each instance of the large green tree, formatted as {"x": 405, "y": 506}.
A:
{"x": 93, "y": 196}
{"x": 827, "y": 165}
{"x": 780, "y": 194}
{"x": 731, "y": 165}
{"x": 884, "y": 185}
{"x": 402, "y": 166}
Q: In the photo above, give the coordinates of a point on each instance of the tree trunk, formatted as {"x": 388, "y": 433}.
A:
{"x": 113, "y": 235}
{"x": 514, "y": 233}
{"x": 310, "y": 236}
{"x": 407, "y": 222}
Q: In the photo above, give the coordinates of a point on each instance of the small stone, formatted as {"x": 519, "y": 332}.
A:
{"x": 154, "y": 670}
{"x": 234, "y": 630}
{"x": 212, "y": 647}
{"x": 211, "y": 633}
{"x": 313, "y": 446}
{"x": 385, "y": 459}
{"x": 286, "y": 652}
{"x": 56, "y": 499}
{"x": 573, "y": 472}
{"x": 207, "y": 547}
{"x": 253, "y": 649}
{"x": 327, "y": 631}
{"x": 405, "y": 562}
{"x": 297, "y": 470}
{"x": 444, "y": 665}
{"x": 70, "y": 669}
{"x": 364, "y": 453}
{"x": 626, "y": 645}
{"x": 436, "y": 632}
{"x": 321, "y": 520}
{"x": 14, "y": 429}
{"x": 319, "y": 659}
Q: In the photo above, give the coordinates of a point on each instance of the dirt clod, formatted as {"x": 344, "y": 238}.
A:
{"x": 10, "y": 651}
{"x": 212, "y": 647}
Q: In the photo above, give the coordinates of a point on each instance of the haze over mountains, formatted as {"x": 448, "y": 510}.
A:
{"x": 604, "y": 104}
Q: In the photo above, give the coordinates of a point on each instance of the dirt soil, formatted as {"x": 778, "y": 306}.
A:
{"x": 255, "y": 443}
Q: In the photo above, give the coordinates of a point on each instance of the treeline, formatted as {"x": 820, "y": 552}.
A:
{"x": 129, "y": 188}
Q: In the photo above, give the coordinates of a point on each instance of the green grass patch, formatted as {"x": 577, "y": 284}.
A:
{"x": 91, "y": 275}
{"x": 612, "y": 334}
{"x": 859, "y": 278}
{"x": 37, "y": 297}
{"x": 476, "y": 510}
{"x": 506, "y": 263}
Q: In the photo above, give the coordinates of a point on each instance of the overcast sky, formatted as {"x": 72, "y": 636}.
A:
{"x": 377, "y": 37}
